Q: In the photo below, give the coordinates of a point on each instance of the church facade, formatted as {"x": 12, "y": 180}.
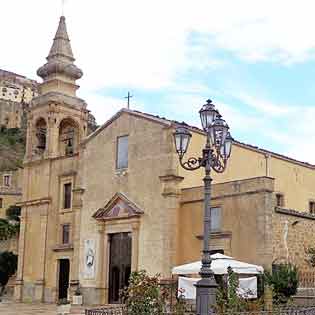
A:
{"x": 98, "y": 206}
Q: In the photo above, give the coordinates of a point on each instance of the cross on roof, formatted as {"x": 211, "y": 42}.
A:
{"x": 128, "y": 97}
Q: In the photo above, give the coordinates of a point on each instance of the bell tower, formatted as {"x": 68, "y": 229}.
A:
{"x": 57, "y": 118}
{"x": 57, "y": 121}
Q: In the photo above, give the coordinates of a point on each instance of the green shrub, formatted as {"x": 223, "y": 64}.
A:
{"x": 13, "y": 213}
{"x": 146, "y": 296}
{"x": 284, "y": 280}
{"x": 8, "y": 229}
{"x": 227, "y": 297}
{"x": 143, "y": 294}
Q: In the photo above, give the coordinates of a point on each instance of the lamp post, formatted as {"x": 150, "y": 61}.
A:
{"x": 215, "y": 155}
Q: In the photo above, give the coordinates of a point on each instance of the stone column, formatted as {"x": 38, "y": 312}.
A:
{"x": 172, "y": 194}
{"x": 76, "y": 206}
{"x": 101, "y": 270}
{"x": 135, "y": 247}
{"x": 105, "y": 267}
{"x": 29, "y": 137}
{"x": 18, "y": 288}
{"x": 52, "y": 136}
{"x": 40, "y": 282}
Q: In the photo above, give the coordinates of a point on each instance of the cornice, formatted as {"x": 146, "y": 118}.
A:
{"x": 34, "y": 202}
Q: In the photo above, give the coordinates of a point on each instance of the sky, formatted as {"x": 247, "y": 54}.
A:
{"x": 255, "y": 59}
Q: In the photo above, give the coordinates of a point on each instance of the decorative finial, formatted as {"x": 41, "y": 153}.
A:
{"x": 209, "y": 101}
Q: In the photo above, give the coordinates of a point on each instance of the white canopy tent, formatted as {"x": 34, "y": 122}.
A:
{"x": 219, "y": 265}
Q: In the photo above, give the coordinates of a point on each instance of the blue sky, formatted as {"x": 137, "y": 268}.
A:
{"x": 254, "y": 59}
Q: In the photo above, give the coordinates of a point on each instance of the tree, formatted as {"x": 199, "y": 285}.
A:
{"x": 13, "y": 213}
{"x": 8, "y": 267}
{"x": 8, "y": 229}
{"x": 10, "y": 226}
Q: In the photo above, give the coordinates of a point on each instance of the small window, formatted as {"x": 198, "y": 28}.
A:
{"x": 66, "y": 234}
{"x": 67, "y": 194}
{"x": 280, "y": 200}
{"x": 215, "y": 219}
{"x": 311, "y": 205}
{"x": 6, "y": 180}
{"x": 1, "y": 203}
{"x": 122, "y": 152}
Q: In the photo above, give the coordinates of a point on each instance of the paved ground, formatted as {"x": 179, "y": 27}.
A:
{"x": 10, "y": 308}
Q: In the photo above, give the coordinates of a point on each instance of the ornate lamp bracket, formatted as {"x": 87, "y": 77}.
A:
{"x": 209, "y": 158}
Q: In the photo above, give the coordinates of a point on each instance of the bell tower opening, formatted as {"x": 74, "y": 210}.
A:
{"x": 41, "y": 135}
{"x": 68, "y": 137}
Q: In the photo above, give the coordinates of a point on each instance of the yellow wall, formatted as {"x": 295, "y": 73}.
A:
{"x": 42, "y": 213}
{"x": 245, "y": 234}
{"x": 295, "y": 180}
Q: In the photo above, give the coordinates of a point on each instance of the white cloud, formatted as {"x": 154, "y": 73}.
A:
{"x": 147, "y": 44}
{"x": 266, "y": 106}
{"x": 289, "y": 128}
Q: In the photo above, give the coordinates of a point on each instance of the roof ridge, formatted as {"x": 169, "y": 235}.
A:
{"x": 194, "y": 128}
{"x": 199, "y": 130}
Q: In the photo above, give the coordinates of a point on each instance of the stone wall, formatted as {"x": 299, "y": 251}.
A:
{"x": 293, "y": 233}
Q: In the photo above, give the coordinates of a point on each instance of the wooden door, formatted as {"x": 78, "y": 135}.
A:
{"x": 119, "y": 264}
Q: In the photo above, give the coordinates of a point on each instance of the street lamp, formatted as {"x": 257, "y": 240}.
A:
{"x": 215, "y": 155}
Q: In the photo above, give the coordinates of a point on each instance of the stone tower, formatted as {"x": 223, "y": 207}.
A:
{"x": 57, "y": 121}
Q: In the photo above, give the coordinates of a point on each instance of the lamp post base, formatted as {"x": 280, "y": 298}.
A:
{"x": 206, "y": 296}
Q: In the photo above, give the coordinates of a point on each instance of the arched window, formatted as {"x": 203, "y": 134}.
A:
{"x": 68, "y": 137}
{"x": 41, "y": 134}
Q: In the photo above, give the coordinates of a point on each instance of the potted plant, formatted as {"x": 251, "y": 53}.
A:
{"x": 77, "y": 298}
{"x": 63, "y": 307}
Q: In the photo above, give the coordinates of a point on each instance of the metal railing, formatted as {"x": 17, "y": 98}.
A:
{"x": 307, "y": 279}
{"x": 121, "y": 310}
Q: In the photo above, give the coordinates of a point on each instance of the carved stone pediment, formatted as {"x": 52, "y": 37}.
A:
{"x": 119, "y": 207}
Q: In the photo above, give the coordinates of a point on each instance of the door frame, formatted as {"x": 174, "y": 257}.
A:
{"x": 121, "y": 272}
{"x": 58, "y": 276}
{"x": 130, "y": 225}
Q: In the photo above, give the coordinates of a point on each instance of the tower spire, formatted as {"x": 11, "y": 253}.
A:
{"x": 61, "y": 46}
{"x": 60, "y": 73}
